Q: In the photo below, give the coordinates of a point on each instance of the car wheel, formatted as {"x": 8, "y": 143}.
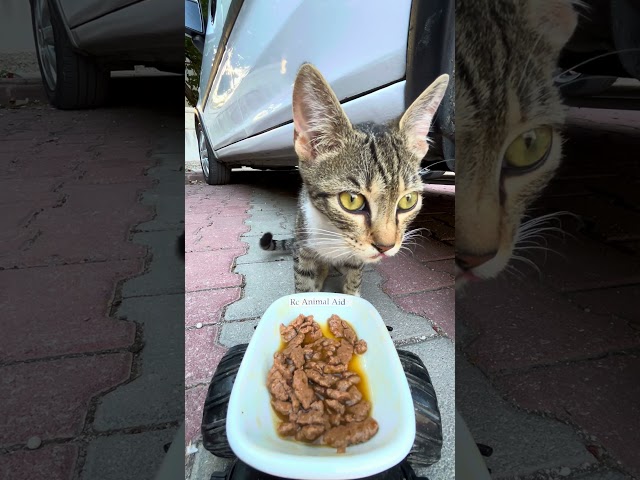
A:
{"x": 574, "y": 84}
{"x": 214, "y": 172}
{"x": 71, "y": 80}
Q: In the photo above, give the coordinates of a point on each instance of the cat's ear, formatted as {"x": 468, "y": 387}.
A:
{"x": 320, "y": 124}
{"x": 416, "y": 121}
{"x": 554, "y": 19}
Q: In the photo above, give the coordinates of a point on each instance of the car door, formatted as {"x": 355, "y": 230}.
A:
{"x": 358, "y": 45}
{"x": 216, "y": 16}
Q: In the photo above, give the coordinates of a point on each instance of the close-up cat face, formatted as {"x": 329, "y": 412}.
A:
{"x": 362, "y": 183}
{"x": 509, "y": 116}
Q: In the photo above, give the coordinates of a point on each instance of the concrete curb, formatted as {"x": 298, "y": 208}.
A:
{"x": 15, "y": 92}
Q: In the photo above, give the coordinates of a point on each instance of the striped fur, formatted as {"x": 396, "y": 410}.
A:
{"x": 380, "y": 162}
{"x": 506, "y": 53}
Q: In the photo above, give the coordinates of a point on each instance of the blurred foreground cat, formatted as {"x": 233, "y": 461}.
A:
{"x": 361, "y": 184}
{"x": 508, "y": 120}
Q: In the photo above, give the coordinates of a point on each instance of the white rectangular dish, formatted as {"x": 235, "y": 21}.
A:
{"x": 251, "y": 422}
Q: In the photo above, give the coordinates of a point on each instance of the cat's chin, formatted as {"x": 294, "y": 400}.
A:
{"x": 488, "y": 271}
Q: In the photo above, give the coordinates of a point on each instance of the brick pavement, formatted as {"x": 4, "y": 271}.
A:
{"x": 77, "y": 189}
{"x": 231, "y": 281}
{"x": 564, "y": 344}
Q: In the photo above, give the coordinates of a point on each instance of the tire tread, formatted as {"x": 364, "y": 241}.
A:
{"x": 81, "y": 82}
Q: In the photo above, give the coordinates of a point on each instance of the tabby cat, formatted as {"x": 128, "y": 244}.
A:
{"x": 508, "y": 117}
{"x": 361, "y": 184}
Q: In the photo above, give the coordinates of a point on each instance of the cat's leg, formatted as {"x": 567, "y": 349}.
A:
{"x": 323, "y": 273}
{"x": 352, "y": 278}
{"x": 308, "y": 271}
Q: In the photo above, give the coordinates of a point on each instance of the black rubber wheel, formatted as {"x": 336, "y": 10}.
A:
{"x": 241, "y": 471}
{"x": 214, "y": 413}
{"x": 214, "y": 172}
{"x": 71, "y": 80}
{"x": 427, "y": 447}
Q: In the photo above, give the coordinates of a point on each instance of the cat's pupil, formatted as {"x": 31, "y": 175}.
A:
{"x": 529, "y": 138}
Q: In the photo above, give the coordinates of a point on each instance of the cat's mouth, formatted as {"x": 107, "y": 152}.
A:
{"x": 484, "y": 269}
{"x": 464, "y": 276}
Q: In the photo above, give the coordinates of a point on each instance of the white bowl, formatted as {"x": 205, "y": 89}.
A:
{"x": 251, "y": 422}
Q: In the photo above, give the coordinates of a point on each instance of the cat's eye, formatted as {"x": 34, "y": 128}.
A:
{"x": 529, "y": 150}
{"x": 408, "y": 201}
{"x": 353, "y": 202}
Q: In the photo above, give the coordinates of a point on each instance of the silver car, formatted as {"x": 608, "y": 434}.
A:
{"x": 79, "y": 42}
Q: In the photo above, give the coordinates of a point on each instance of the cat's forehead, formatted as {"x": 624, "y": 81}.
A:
{"x": 374, "y": 160}
{"x": 502, "y": 89}
{"x": 372, "y": 129}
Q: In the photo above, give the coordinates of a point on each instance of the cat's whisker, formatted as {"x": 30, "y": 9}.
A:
{"x": 530, "y": 237}
{"x": 416, "y": 230}
{"x": 547, "y": 216}
{"x": 321, "y": 237}
{"x": 314, "y": 229}
{"x": 526, "y": 65}
{"x": 320, "y": 234}
{"x": 404, "y": 253}
{"x": 529, "y": 262}
{"x": 596, "y": 57}
{"x": 517, "y": 274}
{"x": 428, "y": 169}
{"x": 553, "y": 229}
{"x": 534, "y": 228}
{"x": 412, "y": 238}
{"x": 413, "y": 234}
{"x": 311, "y": 244}
{"x": 532, "y": 222}
{"x": 323, "y": 240}
{"x": 537, "y": 247}
{"x": 339, "y": 256}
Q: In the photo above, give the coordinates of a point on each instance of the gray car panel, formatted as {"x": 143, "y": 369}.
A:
{"x": 78, "y": 12}
{"x": 146, "y": 31}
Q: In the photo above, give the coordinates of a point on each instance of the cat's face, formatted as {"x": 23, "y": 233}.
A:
{"x": 508, "y": 117}
{"x": 362, "y": 183}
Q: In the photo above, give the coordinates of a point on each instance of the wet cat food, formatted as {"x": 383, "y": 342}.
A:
{"x": 314, "y": 386}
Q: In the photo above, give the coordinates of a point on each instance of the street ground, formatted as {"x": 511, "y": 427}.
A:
{"x": 548, "y": 365}
{"x": 230, "y": 282}
{"x": 91, "y": 354}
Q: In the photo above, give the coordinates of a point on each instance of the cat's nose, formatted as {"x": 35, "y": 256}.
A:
{"x": 467, "y": 261}
{"x": 382, "y": 248}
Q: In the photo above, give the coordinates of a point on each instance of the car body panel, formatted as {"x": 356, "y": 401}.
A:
{"x": 214, "y": 24}
{"x": 78, "y": 12}
{"x": 123, "y": 33}
{"x": 275, "y": 147}
{"x": 251, "y": 91}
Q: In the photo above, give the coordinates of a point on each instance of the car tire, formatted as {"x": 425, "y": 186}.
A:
{"x": 71, "y": 80}
{"x": 579, "y": 85}
{"x": 214, "y": 172}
